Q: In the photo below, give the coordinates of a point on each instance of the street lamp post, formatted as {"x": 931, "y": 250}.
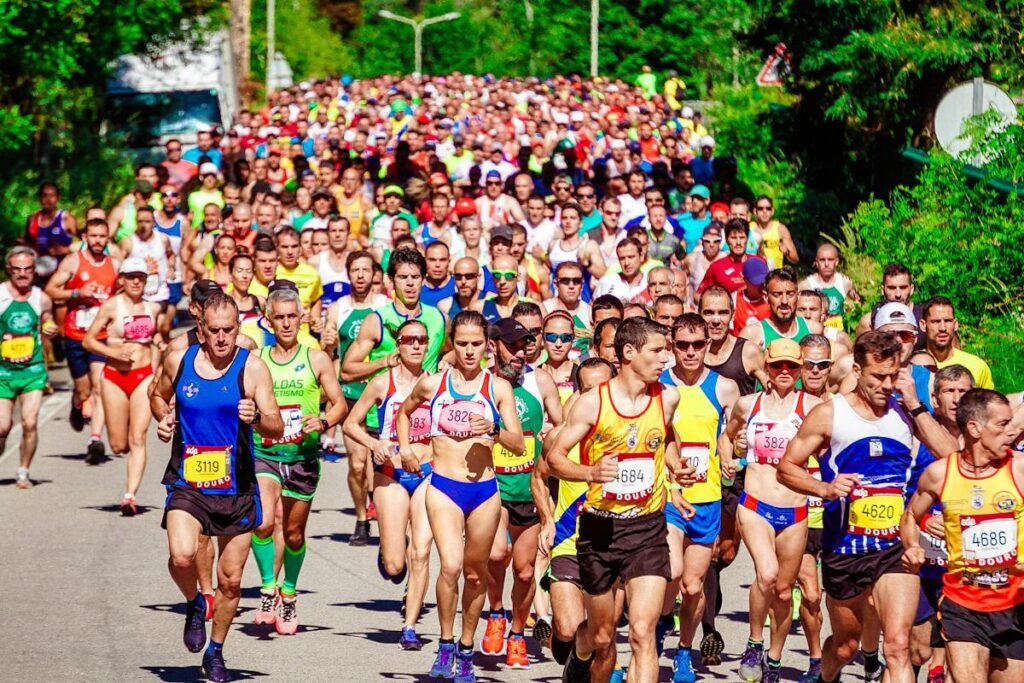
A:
{"x": 417, "y": 27}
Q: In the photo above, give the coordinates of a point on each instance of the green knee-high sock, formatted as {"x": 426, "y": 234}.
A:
{"x": 292, "y": 565}
{"x": 263, "y": 551}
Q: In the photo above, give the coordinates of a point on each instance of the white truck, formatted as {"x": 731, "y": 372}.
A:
{"x": 183, "y": 89}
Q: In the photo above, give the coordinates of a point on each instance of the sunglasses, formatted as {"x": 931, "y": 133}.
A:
{"x": 170, "y": 194}
{"x": 465, "y": 276}
{"x": 906, "y": 336}
{"x": 570, "y": 281}
{"x": 819, "y": 365}
{"x": 495, "y": 182}
{"x": 762, "y": 208}
{"x": 683, "y": 345}
{"x": 563, "y": 188}
{"x": 504, "y": 275}
{"x": 784, "y": 365}
{"x": 585, "y": 196}
{"x": 413, "y": 340}
{"x": 535, "y": 331}
{"x": 558, "y": 338}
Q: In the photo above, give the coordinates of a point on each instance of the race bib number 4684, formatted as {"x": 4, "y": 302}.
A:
{"x": 634, "y": 481}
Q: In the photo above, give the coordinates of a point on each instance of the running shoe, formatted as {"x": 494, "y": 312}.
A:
{"x": 798, "y": 597}
{"x": 464, "y": 670}
{"x": 127, "y": 506}
{"x": 576, "y": 670}
{"x": 214, "y": 669}
{"x": 444, "y": 663}
{"x": 397, "y": 578}
{"x": 409, "y": 639}
{"x": 287, "y": 621}
{"x": 813, "y": 673}
{"x": 937, "y": 675}
{"x": 76, "y": 419}
{"x": 542, "y": 632}
{"x": 94, "y": 452}
{"x": 194, "y": 636}
{"x": 711, "y": 648}
{"x": 752, "y": 663}
{"x": 618, "y": 676}
{"x": 515, "y": 653}
{"x": 361, "y": 535}
{"x": 209, "y": 597}
{"x": 494, "y": 635}
{"x": 267, "y": 613}
{"x": 682, "y": 667}
{"x": 371, "y": 512}
{"x": 874, "y": 676}
{"x": 661, "y": 630}
{"x": 23, "y": 481}
{"x": 772, "y": 674}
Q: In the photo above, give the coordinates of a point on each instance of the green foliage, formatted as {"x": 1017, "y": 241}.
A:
{"x": 303, "y": 36}
{"x": 869, "y": 74}
{"x": 54, "y": 56}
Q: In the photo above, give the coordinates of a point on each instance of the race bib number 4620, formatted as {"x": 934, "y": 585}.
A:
{"x": 875, "y": 511}
{"x": 207, "y": 467}
{"x": 634, "y": 481}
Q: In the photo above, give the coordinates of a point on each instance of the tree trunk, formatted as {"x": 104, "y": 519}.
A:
{"x": 241, "y": 20}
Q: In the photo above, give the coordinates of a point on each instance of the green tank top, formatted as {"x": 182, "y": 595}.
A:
{"x": 348, "y": 331}
{"x": 21, "y": 348}
{"x": 514, "y": 471}
{"x": 391, "y": 320}
{"x": 298, "y": 395}
{"x": 835, "y": 300}
{"x": 771, "y": 334}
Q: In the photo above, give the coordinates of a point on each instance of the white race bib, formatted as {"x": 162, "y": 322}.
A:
{"x": 698, "y": 455}
{"x": 635, "y": 480}
{"x": 989, "y": 540}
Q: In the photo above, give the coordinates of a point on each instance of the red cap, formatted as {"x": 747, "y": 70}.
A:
{"x": 438, "y": 178}
{"x": 465, "y": 207}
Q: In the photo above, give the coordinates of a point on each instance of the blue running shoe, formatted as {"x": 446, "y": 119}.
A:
{"x": 214, "y": 669}
{"x": 618, "y": 676}
{"x": 409, "y": 639}
{"x": 195, "y": 624}
{"x": 752, "y": 663}
{"x": 813, "y": 674}
{"x": 682, "y": 667}
{"x": 464, "y": 671}
{"x": 444, "y": 664}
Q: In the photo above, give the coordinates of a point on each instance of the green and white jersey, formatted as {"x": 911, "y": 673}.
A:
{"x": 514, "y": 471}
{"x": 350, "y": 321}
{"x": 297, "y": 390}
{"x": 21, "y": 347}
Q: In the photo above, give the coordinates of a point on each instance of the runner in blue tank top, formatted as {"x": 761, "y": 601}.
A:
{"x": 219, "y": 390}
{"x": 865, "y": 439}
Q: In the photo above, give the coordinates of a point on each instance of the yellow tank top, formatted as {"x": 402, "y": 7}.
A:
{"x": 984, "y": 522}
{"x": 638, "y": 442}
{"x": 354, "y": 213}
{"x": 770, "y": 243}
{"x": 698, "y": 421}
{"x": 571, "y": 495}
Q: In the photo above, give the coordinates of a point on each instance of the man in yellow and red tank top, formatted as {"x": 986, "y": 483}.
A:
{"x": 84, "y": 280}
{"x": 627, "y": 454}
{"x": 979, "y": 489}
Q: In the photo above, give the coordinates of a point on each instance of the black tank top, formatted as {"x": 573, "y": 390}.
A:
{"x": 733, "y": 369}
{"x": 193, "y": 337}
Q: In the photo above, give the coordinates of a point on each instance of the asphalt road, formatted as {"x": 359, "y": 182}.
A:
{"x": 89, "y": 597}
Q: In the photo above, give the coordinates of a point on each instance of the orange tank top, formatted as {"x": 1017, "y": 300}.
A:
{"x": 100, "y": 282}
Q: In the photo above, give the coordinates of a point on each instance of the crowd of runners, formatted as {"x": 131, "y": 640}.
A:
{"x": 561, "y": 344}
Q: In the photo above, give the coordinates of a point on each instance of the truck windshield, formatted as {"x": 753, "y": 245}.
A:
{"x": 145, "y": 117}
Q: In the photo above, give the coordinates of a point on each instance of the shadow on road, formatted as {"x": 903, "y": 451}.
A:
{"x": 35, "y": 482}
{"x": 343, "y": 538}
{"x": 186, "y": 674}
{"x": 378, "y": 605}
{"x": 139, "y": 509}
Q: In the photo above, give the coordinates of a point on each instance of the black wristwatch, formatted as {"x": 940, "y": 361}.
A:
{"x": 495, "y": 430}
{"x": 324, "y": 426}
{"x": 256, "y": 418}
{"x": 918, "y": 410}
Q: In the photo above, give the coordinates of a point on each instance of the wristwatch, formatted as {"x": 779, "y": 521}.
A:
{"x": 256, "y": 418}
{"x": 495, "y": 430}
{"x": 324, "y": 426}
{"x": 918, "y": 410}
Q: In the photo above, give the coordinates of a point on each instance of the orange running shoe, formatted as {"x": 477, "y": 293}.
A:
{"x": 287, "y": 623}
{"x": 515, "y": 652}
{"x": 494, "y": 637}
{"x": 267, "y": 613}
